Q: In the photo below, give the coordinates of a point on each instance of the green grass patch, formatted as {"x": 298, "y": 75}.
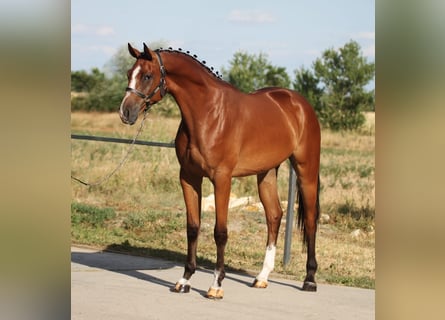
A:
{"x": 87, "y": 214}
{"x": 360, "y": 282}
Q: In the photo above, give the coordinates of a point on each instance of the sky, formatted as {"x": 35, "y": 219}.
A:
{"x": 292, "y": 33}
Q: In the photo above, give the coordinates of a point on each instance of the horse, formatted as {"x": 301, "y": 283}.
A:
{"x": 226, "y": 133}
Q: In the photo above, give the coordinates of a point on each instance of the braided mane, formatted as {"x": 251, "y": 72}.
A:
{"x": 211, "y": 70}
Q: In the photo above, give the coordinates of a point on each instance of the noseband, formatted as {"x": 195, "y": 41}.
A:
{"x": 160, "y": 86}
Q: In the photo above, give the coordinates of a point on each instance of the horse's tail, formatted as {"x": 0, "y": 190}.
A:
{"x": 301, "y": 212}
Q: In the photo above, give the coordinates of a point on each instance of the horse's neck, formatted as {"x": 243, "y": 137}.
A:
{"x": 191, "y": 85}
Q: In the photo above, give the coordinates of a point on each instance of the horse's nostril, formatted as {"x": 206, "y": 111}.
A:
{"x": 126, "y": 113}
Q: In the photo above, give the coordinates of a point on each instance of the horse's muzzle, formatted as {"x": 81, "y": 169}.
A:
{"x": 127, "y": 114}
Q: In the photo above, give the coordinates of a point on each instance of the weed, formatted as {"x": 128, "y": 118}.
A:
{"x": 82, "y": 213}
{"x": 356, "y": 212}
{"x": 133, "y": 220}
{"x": 350, "y": 216}
{"x": 365, "y": 171}
{"x": 361, "y": 282}
{"x": 346, "y": 184}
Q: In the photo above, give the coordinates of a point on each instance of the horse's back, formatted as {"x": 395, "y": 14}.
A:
{"x": 283, "y": 109}
{"x": 273, "y": 121}
{"x": 288, "y": 100}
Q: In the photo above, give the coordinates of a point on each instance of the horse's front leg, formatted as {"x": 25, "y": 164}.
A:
{"x": 191, "y": 188}
{"x": 222, "y": 184}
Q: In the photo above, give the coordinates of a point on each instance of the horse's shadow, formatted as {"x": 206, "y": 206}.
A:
{"x": 106, "y": 260}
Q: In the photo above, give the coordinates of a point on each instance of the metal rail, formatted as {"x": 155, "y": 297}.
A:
{"x": 120, "y": 140}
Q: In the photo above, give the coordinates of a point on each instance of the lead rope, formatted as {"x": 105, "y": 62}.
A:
{"x": 108, "y": 176}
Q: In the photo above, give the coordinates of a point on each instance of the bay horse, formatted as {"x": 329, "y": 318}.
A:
{"x": 225, "y": 133}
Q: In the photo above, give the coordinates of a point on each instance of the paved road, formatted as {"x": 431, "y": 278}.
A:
{"x": 111, "y": 286}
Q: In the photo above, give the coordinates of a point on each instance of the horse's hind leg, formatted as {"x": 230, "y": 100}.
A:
{"x": 267, "y": 188}
{"x": 308, "y": 212}
{"x": 191, "y": 188}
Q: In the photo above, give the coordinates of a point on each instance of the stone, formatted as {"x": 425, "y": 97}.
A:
{"x": 324, "y": 218}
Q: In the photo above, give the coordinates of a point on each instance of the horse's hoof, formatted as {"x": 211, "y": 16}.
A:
{"x": 215, "y": 294}
{"x": 309, "y": 286}
{"x": 181, "y": 288}
{"x": 259, "y": 284}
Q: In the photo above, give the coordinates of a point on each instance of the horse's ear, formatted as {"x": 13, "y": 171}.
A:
{"x": 134, "y": 52}
{"x": 147, "y": 52}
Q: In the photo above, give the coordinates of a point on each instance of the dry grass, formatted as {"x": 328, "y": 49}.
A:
{"x": 150, "y": 217}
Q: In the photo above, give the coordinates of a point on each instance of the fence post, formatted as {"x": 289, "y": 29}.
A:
{"x": 289, "y": 214}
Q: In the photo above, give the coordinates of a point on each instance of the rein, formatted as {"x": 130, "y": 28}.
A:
{"x": 108, "y": 176}
{"x": 160, "y": 86}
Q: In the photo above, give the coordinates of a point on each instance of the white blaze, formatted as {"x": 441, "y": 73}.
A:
{"x": 134, "y": 76}
{"x": 132, "y": 84}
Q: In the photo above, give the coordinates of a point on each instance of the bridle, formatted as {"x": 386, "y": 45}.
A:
{"x": 160, "y": 87}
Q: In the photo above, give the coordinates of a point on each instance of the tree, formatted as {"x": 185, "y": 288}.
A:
{"x": 308, "y": 85}
{"x": 343, "y": 75}
{"x": 249, "y": 72}
{"x": 102, "y": 93}
{"x": 82, "y": 81}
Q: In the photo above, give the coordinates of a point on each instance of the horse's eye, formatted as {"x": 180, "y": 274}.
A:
{"x": 147, "y": 77}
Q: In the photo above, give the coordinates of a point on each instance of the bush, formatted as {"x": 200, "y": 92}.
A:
{"x": 337, "y": 119}
{"x": 80, "y": 103}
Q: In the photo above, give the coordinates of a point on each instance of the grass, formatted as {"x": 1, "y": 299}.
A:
{"x": 140, "y": 210}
